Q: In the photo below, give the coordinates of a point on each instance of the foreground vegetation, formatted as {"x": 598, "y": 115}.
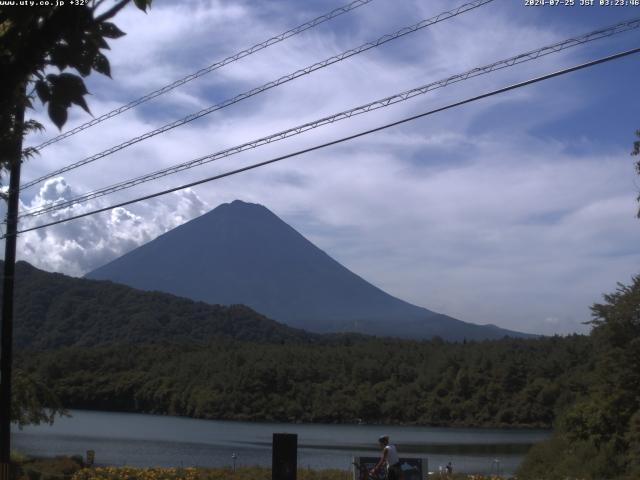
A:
{"x": 71, "y": 468}
{"x": 242, "y": 473}
{"x": 598, "y": 437}
{"x": 58, "y": 468}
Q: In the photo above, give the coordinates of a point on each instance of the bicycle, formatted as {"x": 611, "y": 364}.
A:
{"x": 365, "y": 474}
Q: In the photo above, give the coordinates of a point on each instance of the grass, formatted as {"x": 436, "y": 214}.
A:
{"x": 242, "y": 473}
{"x": 71, "y": 468}
{"x": 58, "y": 468}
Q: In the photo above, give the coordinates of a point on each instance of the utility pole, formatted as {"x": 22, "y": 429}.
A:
{"x": 14, "y": 159}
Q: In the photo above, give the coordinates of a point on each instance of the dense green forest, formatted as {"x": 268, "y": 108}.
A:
{"x": 500, "y": 383}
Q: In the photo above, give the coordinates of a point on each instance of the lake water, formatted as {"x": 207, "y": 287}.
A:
{"x": 151, "y": 440}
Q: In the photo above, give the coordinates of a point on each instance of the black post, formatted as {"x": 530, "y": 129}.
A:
{"x": 14, "y": 159}
{"x": 284, "y": 460}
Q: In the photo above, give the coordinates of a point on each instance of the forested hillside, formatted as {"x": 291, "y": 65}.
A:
{"x": 499, "y": 383}
{"x": 54, "y": 310}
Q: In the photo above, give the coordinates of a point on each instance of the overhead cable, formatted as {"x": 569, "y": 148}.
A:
{"x": 267, "y": 86}
{"x": 382, "y": 103}
{"x": 214, "y": 66}
{"x": 340, "y": 140}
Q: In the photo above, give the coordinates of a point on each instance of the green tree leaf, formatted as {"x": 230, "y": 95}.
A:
{"x": 142, "y": 4}
{"x": 109, "y": 30}
{"x": 101, "y": 65}
{"x": 43, "y": 89}
{"x": 57, "y": 113}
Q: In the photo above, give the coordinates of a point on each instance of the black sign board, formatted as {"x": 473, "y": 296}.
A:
{"x": 284, "y": 456}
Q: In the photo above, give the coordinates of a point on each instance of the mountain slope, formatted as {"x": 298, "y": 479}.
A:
{"x": 241, "y": 253}
{"x": 53, "y": 310}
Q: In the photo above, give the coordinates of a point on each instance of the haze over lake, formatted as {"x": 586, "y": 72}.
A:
{"x": 151, "y": 440}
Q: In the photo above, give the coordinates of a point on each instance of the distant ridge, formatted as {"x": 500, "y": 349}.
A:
{"x": 54, "y": 310}
{"x": 242, "y": 253}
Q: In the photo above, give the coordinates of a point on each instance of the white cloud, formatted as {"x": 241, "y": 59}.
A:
{"x": 81, "y": 245}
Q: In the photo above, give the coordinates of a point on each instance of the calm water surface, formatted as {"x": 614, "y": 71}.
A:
{"x": 151, "y": 440}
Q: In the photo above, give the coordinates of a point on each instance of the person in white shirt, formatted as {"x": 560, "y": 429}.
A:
{"x": 389, "y": 458}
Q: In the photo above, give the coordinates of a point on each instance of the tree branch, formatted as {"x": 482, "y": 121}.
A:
{"x": 112, "y": 11}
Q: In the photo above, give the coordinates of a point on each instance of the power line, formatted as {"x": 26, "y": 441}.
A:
{"x": 267, "y": 86}
{"x": 341, "y": 140}
{"x": 214, "y": 66}
{"x": 601, "y": 33}
{"x": 382, "y": 103}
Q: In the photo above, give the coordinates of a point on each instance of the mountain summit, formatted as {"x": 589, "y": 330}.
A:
{"x": 242, "y": 253}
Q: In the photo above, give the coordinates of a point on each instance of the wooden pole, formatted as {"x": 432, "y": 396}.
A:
{"x": 14, "y": 159}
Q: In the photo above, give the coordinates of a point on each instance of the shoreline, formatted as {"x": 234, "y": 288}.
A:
{"x": 239, "y": 419}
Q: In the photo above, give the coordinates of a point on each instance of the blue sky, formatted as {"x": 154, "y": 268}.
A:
{"x": 517, "y": 210}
